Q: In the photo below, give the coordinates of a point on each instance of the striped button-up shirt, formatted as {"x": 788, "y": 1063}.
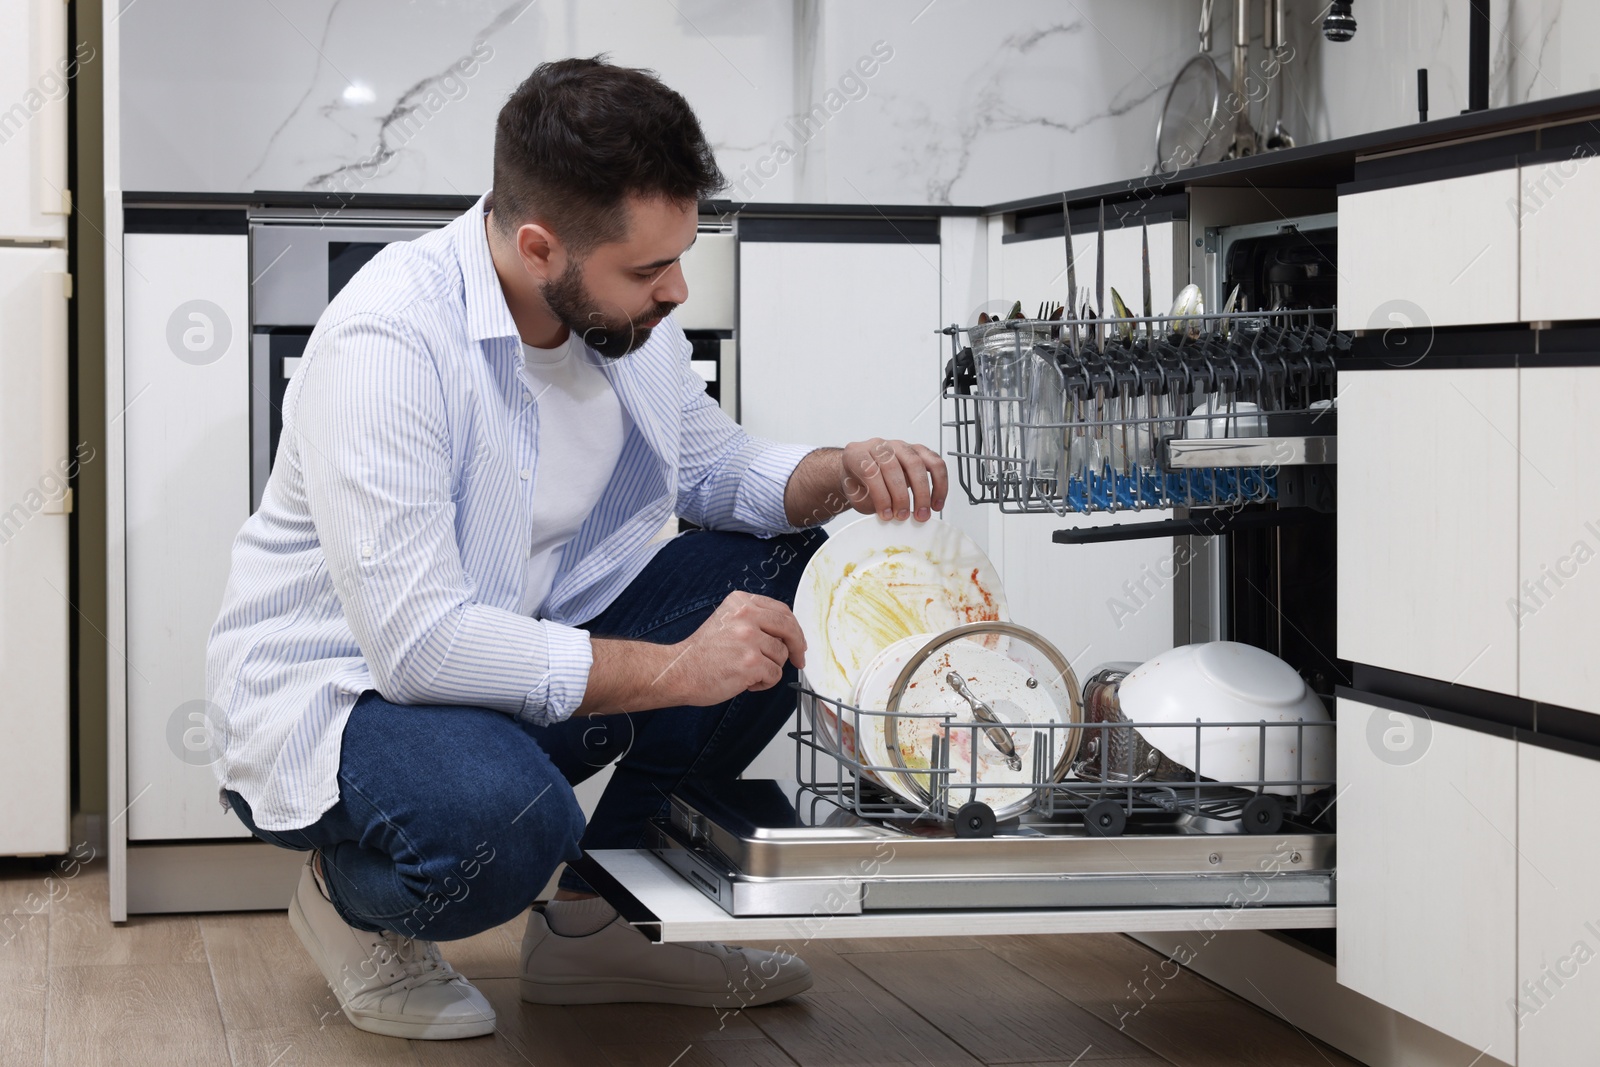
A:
{"x": 390, "y": 549}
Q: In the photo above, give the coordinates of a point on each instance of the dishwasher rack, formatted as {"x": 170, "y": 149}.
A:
{"x": 1109, "y": 785}
{"x": 1190, "y": 411}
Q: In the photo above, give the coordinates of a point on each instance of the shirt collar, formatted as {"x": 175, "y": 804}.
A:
{"x": 487, "y": 313}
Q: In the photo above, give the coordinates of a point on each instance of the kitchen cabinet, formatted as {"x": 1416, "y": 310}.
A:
{"x": 186, "y": 431}
{"x": 1440, "y": 253}
{"x": 1034, "y": 269}
{"x": 1556, "y": 604}
{"x": 837, "y": 340}
{"x": 1428, "y": 523}
{"x": 1560, "y": 226}
{"x": 34, "y": 69}
{"x": 36, "y": 461}
{"x": 1428, "y": 872}
{"x": 1557, "y": 997}
{"x": 708, "y": 271}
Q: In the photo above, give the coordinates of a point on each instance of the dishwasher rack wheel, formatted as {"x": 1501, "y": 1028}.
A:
{"x": 974, "y": 819}
{"x": 1263, "y": 814}
{"x": 1105, "y": 818}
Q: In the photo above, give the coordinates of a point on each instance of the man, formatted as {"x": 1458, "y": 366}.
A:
{"x": 449, "y": 608}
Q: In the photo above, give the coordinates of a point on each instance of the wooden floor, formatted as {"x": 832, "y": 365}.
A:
{"x": 239, "y": 990}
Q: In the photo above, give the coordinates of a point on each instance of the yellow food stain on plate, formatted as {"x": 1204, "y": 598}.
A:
{"x": 898, "y": 595}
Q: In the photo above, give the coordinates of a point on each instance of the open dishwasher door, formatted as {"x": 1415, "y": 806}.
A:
{"x": 757, "y": 859}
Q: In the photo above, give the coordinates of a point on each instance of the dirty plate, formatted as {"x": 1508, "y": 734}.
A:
{"x": 875, "y": 582}
{"x": 1015, "y": 676}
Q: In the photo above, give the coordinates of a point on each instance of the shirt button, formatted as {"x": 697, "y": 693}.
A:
{"x": 528, "y": 397}
{"x": 366, "y": 551}
{"x": 525, "y": 474}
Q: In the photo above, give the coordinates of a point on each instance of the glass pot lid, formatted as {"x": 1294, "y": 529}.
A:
{"x": 978, "y": 713}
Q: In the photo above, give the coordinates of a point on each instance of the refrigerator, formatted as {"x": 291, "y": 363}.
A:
{"x": 38, "y": 459}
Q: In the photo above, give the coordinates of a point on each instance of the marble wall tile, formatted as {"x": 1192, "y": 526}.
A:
{"x": 1553, "y": 45}
{"x": 1370, "y": 82}
{"x": 893, "y": 102}
{"x": 368, "y": 95}
{"x": 989, "y": 102}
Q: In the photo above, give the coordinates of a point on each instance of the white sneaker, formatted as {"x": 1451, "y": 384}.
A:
{"x": 386, "y": 984}
{"x": 618, "y": 963}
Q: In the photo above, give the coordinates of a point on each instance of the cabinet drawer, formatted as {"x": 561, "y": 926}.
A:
{"x": 1560, "y": 214}
{"x": 1557, "y": 601}
{"x": 1442, "y": 253}
{"x": 1427, "y": 872}
{"x": 1428, "y": 522}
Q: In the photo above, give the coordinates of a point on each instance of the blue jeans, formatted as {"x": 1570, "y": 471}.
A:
{"x": 451, "y": 819}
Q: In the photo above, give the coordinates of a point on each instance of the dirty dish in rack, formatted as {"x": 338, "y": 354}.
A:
{"x": 875, "y": 582}
{"x": 1004, "y": 677}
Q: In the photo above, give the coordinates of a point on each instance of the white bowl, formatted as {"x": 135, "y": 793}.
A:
{"x": 1229, "y": 682}
{"x": 1245, "y": 420}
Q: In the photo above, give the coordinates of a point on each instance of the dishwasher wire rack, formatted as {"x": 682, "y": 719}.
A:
{"x": 1103, "y": 785}
{"x": 1097, "y": 415}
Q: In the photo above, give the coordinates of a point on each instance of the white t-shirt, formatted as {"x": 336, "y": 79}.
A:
{"x": 581, "y": 427}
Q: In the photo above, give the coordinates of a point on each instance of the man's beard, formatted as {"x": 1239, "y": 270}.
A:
{"x": 570, "y": 302}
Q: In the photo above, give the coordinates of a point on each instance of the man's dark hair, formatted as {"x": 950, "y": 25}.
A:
{"x": 579, "y": 135}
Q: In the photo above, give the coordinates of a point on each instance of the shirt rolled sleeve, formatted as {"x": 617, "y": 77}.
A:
{"x": 758, "y": 501}
{"x": 569, "y": 656}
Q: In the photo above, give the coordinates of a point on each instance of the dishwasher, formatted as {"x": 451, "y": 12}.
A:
{"x": 1224, "y": 421}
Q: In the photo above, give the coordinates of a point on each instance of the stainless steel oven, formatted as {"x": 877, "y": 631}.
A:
{"x": 299, "y": 261}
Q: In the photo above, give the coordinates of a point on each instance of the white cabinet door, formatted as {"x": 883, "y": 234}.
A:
{"x": 187, "y": 433}
{"x": 1427, "y": 479}
{"x": 34, "y": 73}
{"x": 1428, "y": 872}
{"x": 1035, "y": 271}
{"x": 1440, "y": 252}
{"x": 36, "y": 460}
{"x": 1557, "y": 600}
{"x": 708, "y": 271}
{"x": 1560, "y": 210}
{"x": 1557, "y": 999}
{"x": 837, "y": 342}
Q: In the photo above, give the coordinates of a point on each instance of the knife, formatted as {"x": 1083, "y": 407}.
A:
{"x": 1100, "y": 275}
{"x": 1144, "y": 224}
{"x": 1072, "y": 275}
